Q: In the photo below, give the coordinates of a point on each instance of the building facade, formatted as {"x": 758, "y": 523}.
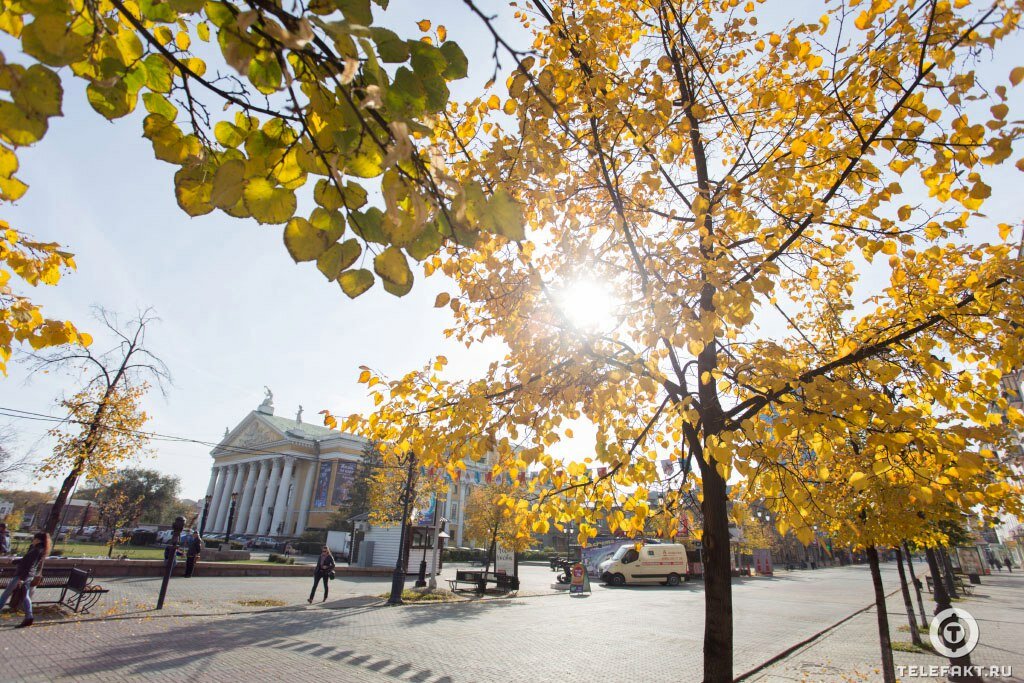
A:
{"x": 285, "y": 475}
{"x": 288, "y": 476}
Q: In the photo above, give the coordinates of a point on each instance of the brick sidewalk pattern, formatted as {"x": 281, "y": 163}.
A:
{"x": 648, "y": 634}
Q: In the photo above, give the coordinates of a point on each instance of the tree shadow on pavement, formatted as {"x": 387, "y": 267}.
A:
{"x": 183, "y": 642}
{"x": 418, "y": 615}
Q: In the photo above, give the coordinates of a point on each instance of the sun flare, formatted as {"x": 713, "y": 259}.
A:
{"x": 588, "y": 305}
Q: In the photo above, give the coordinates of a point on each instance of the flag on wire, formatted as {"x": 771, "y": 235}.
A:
{"x": 666, "y": 466}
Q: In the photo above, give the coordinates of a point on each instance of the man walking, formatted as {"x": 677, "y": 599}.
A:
{"x": 193, "y": 550}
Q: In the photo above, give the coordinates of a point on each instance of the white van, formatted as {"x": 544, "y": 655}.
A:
{"x": 657, "y": 563}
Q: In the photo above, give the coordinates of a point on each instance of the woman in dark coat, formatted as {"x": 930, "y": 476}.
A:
{"x": 28, "y": 568}
{"x": 324, "y": 572}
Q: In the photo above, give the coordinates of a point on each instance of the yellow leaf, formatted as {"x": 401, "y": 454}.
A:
{"x": 1017, "y": 75}
{"x": 859, "y": 481}
{"x": 424, "y": 24}
{"x": 442, "y": 300}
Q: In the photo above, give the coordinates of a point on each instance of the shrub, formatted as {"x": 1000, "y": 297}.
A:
{"x": 281, "y": 559}
{"x": 308, "y": 547}
{"x": 317, "y": 536}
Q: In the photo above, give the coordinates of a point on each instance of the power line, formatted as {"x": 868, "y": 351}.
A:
{"x": 154, "y": 436}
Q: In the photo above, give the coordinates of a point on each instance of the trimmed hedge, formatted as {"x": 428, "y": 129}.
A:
{"x": 281, "y": 559}
{"x": 308, "y": 547}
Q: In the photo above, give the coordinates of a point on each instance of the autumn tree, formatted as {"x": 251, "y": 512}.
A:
{"x": 890, "y": 467}
{"x": 25, "y": 260}
{"x": 720, "y": 214}
{"x": 394, "y": 478}
{"x": 104, "y": 418}
{"x": 495, "y": 515}
{"x": 10, "y": 463}
{"x": 251, "y": 102}
{"x": 158, "y": 493}
{"x": 117, "y": 509}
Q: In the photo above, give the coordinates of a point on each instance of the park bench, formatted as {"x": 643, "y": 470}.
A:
{"x": 468, "y": 578}
{"x": 478, "y": 581}
{"x": 76, "y": 590}
{"x": 961, "y": 585}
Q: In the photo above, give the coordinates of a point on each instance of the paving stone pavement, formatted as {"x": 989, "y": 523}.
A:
{"x": 851, "y": 652}
{"x": 641, "y": 634}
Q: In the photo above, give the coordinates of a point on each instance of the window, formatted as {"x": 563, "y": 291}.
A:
{"x": 630, "y": 556}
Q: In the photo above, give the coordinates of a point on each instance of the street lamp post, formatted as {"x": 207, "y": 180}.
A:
{"x": 170, "y": 553}
{"x": 231, "y": 519}
{"x": 398, "y": 576}
{"x": 206, "y": 512}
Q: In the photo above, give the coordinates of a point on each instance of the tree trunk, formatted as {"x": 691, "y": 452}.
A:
{"x": 917, "y": 585}
{"x": 60, "y": 502}
{"x": 717, "y": 579}
{"x": 947, "y": 573}
{"x": 884, "y": 641}
{"x": 942, "y": 604}
{"x": 908, "y": 604}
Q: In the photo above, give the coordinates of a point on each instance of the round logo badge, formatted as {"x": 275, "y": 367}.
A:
{"x": 954, "y": 632}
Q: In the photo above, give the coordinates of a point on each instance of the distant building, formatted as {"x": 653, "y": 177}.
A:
{"x": 6, "y": 508}
{"x": 286, "y": 475}
{"x": 76, "y": 513}
{"x": 289, "y": 476}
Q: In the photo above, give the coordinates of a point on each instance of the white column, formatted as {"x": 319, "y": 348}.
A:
{"x": 248, "y": 489}
{"x": 292, "y": 506}
{"x": 220, "y": 521}
{"x": 268, "y": 499}
{"x": 305, "y": 500}
{"x": 462, "y": 506}
{"x": 236, "y": 490}
{"x": 281, "y": 503}
{"x": 213, "y": 481}
{"x": 252, "y": 525}
{"x": 217, "y": 477}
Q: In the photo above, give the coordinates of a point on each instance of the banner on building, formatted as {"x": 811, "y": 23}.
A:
{"x": 344, "y": 476}
{"x": 323, "y": 482}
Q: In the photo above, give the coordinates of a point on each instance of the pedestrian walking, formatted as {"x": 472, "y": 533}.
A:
{"x": 194, "y": 549}
{"x": 28, "y": 574}
{"x": 5, "y": 540}
{"x": 1009, "y": 565}
{"x": 324, "y": 572}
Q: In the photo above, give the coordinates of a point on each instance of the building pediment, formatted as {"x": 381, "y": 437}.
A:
{"x": 251, "y": 435}
{"x": 255, "y": 435}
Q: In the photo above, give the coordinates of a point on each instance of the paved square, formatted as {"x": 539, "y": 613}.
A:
{"x": 641, "y": 634}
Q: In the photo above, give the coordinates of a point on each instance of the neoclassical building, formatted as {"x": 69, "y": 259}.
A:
{"x": 288, "y": 474}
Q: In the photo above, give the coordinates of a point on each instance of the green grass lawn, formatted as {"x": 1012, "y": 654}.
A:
{"x": 86, "y": 549}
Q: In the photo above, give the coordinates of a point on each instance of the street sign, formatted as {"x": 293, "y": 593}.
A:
{"x": 504, "y": 559}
